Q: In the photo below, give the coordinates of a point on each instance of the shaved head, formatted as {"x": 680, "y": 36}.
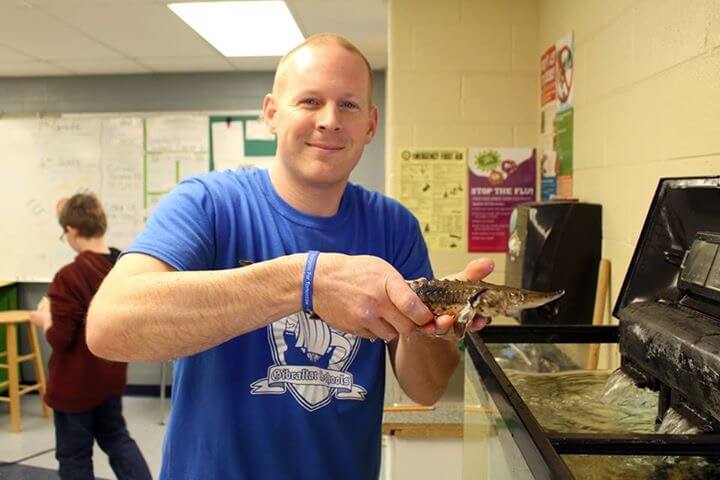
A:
{"x": 317, "y": 40}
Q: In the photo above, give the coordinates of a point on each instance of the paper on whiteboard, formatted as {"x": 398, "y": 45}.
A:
{"x": 122, "y": 179}
{"x": 258, "y": 130}
{"x": 161, "y": 172}
{"x": 228, "y": 141}
{"x": 179, "y": 133}
{"x": 153, "y": 201}
{"x": 192, "y": 164}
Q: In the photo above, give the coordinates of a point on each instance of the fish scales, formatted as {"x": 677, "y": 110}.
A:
{"x": 445, "y": 296}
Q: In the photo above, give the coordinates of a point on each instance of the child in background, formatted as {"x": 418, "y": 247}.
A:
{"x": 85, "y": 391}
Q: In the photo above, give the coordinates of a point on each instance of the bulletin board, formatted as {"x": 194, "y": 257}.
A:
{"x": 240, "y": 142}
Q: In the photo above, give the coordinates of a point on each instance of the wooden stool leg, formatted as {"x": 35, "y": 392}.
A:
{"x": 13, "y": 377}
{"x": 39, "y": 367}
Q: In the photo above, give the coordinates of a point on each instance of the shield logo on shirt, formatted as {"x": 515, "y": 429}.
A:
{"x": 311, "y": 360}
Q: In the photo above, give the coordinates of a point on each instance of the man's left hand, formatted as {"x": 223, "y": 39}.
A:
{"x": 442, "y": 326}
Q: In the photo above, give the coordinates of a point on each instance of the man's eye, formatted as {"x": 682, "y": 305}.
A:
{"x": 350, "y": 105}
{"x": 310, "y": 101}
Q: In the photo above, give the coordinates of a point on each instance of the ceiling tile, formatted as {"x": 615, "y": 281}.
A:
{"x": 30, "y": 69}
{"x": 349, "y": 18}
{"x": 103, "y": 66}
{"x": 45, "y": 3}
{"x": 32, "y": 32}
{"x": 258, "y": 64}
{"x": 11, "y": 55}
{"x": 104, "y": 36}
{"x": 187, "y": 64}
{"x": 146, "y": 29}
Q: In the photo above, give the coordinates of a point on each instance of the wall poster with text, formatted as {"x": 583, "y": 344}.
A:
{"x": 556, "y": 119}
{"x": 498, "y": 179}
{"x": 433, "y": 186}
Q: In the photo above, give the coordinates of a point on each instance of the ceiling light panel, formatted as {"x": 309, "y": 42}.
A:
{"x": 243, "y": 29}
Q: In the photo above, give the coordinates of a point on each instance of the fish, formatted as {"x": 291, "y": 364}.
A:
{"x": 466, "y": 300}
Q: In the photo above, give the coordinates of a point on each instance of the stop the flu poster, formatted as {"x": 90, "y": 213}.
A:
{"x": 498, "y": 179}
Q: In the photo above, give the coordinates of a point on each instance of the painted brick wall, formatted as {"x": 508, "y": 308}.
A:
{"x": 647, "y": 93}
{"x": 647, "y": 104}
{"x": 461, "y": 73}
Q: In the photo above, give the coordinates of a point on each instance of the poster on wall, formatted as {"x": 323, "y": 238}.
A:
{"x": 498, "y": 179}
{"x": 556, "y": 119}
{"x": 548, "y": 161}
{"x": 433, "y": 186}
{"x": 564, "y": 118}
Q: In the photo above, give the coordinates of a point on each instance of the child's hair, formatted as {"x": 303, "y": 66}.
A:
{"x": 84, "y": 212}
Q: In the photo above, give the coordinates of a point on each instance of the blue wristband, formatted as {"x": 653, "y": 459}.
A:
{"x": 307, "y": 284}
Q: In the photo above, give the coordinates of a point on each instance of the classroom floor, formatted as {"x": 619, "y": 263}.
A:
{"x": 37, "y": 440}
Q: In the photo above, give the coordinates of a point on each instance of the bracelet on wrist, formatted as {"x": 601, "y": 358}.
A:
{"x": 307, "y": 282}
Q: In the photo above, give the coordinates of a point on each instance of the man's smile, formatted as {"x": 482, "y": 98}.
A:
{"x": 325, "y": 146}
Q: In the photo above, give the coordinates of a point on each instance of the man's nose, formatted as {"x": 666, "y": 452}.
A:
{"x": 329, "y": 118}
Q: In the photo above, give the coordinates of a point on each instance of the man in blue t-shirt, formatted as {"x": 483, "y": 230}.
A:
{"x": 280, "y": 364}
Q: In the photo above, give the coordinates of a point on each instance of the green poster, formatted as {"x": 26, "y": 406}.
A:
{"x": 564, "y": 148}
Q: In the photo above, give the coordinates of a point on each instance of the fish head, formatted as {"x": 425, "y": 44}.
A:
{"x": 509, "y": 300}
{"x": 517, "y": 299}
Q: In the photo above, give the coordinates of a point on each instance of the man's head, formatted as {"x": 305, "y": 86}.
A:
{"x": 321, "y": 110}
{"x": 323, "y": 39}
{"x": 82, "y": 215}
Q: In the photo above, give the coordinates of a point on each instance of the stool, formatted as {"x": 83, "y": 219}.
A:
{"x": 11, "y": 319}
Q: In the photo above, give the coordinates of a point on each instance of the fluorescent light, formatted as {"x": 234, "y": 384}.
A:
{"x": 243, "y": 29}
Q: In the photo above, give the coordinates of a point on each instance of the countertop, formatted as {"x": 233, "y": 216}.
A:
{"x": 444, "y": 419}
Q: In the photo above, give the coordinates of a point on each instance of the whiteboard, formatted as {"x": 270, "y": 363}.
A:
{"x": 130, "y": 161}
{"x": 43, "y": 160}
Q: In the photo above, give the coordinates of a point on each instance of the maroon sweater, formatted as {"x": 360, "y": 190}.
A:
{"x": 77, "y": 379}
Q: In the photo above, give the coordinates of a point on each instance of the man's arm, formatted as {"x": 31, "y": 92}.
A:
{"x": 145, "y": 310}
{"x": 423, "y": 364}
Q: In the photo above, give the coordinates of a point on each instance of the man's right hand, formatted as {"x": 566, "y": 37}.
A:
{"x": 366, "y": 296}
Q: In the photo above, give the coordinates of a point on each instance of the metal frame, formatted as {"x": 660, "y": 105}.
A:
{"x": 550, "y": 334}
{"x": 541, "y": 450}
{"x": 541, "y": 457}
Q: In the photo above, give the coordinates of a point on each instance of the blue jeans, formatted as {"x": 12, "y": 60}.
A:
{"x": 74, "y": 435}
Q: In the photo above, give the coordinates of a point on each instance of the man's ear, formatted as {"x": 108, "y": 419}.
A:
{"x": 372, "y": 129}
{"x": 269, "y": 111}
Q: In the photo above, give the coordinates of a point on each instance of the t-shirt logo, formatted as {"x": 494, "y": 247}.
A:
{"x": 311, "y": 362}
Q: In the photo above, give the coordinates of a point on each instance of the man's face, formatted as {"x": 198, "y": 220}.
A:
{"x": 321, "y": 114}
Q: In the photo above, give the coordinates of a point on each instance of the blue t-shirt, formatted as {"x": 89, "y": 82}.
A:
{"x": 296, "y": 399}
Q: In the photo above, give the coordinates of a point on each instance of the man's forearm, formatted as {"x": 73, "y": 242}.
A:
{"x": 165, "y": 315}
{"x": 423, "y": 366}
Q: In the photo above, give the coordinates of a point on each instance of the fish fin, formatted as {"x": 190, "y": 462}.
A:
{"x": 464, "y": 320}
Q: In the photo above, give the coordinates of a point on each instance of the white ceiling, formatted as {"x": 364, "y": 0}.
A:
{"x": 87, "y": 37}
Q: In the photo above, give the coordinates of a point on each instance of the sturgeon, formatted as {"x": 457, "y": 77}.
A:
{"x": 465, "y": 300}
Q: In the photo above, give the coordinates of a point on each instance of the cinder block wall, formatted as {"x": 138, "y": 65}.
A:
{"x": 647, "y": 95}
{"x": 647, "y": 104}
{"x": 461, "y": 73}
